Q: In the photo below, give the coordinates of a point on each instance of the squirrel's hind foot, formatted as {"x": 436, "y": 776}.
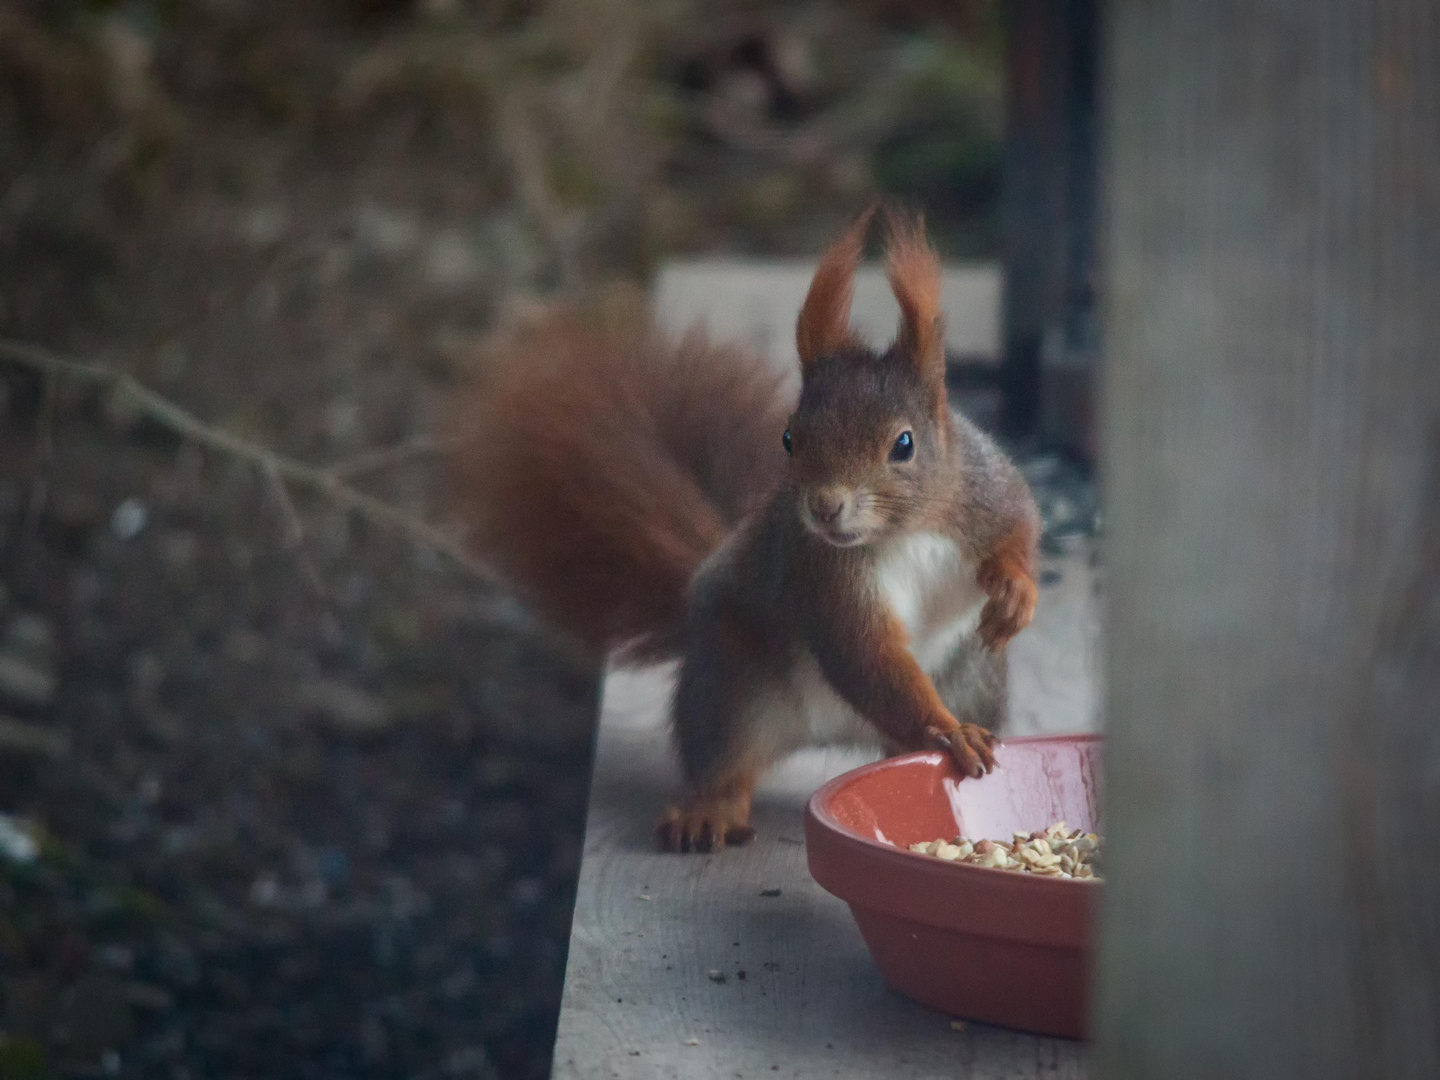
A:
{"x": 706, "y": 825}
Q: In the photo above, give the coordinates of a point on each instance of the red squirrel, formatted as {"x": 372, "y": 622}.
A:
{"x": 843, "y": 568}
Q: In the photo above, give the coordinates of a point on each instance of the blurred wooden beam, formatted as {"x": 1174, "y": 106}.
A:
{"x": 1272, "y": 474}
{"x": 1050, "y": 345}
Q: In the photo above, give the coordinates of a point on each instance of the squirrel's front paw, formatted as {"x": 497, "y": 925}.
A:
{"x": 703, "y": 826}
{"x": 971, "y": 746}
{"x": 1011, "y": 605}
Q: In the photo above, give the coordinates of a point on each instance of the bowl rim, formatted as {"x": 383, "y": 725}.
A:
{"x": 941, "y": 893}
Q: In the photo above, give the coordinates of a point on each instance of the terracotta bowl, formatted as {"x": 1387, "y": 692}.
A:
{"x": 997, "y": 946}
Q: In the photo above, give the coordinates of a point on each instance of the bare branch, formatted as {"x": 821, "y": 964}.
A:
{"x": 386, "y": 457}
{"x": 19, "y": 542}
{"x": 294, "y": 529}
{"x": 520, "y": 144}
{"x": 320, "y": 481}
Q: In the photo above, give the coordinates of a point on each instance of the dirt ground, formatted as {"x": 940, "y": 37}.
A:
{"x": 308, "y": 810}
{"x": 282, "y": 793}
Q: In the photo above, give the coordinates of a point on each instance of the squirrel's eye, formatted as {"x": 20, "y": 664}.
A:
{"x": 904, "y": 448}
{"x": 788, "y": 442}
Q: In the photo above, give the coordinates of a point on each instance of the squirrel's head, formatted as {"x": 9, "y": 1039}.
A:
{"x": 872, "y": 439}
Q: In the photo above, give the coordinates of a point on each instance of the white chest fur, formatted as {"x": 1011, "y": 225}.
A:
{"x": 930, "y": 586}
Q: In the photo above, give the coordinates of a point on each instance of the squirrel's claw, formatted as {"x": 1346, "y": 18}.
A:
{"x": 971, "y": 746}
{"x": 701, "y": 828}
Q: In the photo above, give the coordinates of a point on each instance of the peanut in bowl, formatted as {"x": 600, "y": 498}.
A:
{"x": 1056, "y": 851}
{"x": 975, "y": 941}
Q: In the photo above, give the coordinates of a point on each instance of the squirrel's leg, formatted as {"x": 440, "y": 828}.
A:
{"x": 1007, "y": 575}
{"x": 866, "y": 660}
{"x": 727, "y": 664}
{"x": 973, "y": 682}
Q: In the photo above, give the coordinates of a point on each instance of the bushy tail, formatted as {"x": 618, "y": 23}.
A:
{"x": 599, "y": 463}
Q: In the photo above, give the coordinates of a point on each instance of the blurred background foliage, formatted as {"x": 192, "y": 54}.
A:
{"x": 612, "y": 132}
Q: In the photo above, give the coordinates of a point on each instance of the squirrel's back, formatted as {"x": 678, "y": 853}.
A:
{"x": 598, "y": 463}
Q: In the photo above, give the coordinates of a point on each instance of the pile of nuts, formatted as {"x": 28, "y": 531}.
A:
{"x": 1052, "y": 852}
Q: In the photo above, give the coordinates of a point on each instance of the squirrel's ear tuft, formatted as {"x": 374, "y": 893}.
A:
{"x": 914, "y": 272}
{"x": 824, "y": 322}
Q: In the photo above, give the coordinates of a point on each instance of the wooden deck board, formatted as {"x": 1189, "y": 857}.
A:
{"x": 649, "y": 928}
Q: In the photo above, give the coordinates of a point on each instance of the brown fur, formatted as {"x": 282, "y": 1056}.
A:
{"x": 1008, "y": 576}
{"x": 824, "y": 321}
{"x": 914, "y": 272}
{"x": 599, "y": 463}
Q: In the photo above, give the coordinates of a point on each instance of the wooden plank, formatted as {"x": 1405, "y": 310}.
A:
{"x": 1273, "y": 504}
{"x": 1053, "y": 664}
{"x": 649, "y": 928}
{"x": 756, "y": 302}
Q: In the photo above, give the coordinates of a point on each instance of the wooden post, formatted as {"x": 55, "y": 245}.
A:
{"x": 1272, "y": 474}
{"x": 1032, "y": 44}
{"x": 1069, "y": 359}
{"x": 1048, "y": 211}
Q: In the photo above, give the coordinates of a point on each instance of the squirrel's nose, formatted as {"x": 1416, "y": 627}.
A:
{"x": 827, "y": 505}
